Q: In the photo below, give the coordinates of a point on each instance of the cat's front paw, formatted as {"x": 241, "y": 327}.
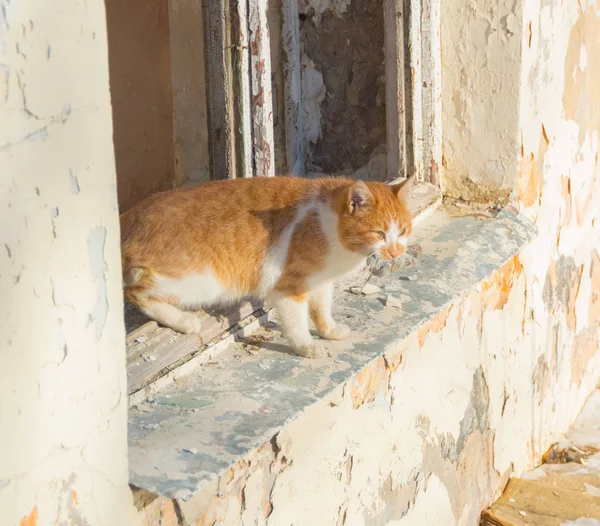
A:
{"x": 339, "y": 332}
{"x": 188, "y": 323}
{"x": 314, "y": 350}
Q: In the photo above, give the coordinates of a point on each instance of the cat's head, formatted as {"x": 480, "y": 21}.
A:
{"x": 374, "y": 218}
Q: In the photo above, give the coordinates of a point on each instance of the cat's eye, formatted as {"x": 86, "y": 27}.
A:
{"x": 380, "y": 234}
{"x": 402, "y": 231}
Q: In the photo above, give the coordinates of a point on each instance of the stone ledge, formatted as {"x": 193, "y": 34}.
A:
{"x": 196, "y": 428}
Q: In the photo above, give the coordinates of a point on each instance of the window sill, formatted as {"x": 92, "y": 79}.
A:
{"x": 217, "y": 412}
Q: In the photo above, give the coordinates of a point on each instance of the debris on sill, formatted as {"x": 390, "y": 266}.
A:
{"x": 366, "y": 290}
{"x": 381, "y": 268}
{"x": 391, "y": 301}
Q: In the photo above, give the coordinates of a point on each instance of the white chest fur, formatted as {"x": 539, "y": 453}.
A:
{"x": 339, "y": 261}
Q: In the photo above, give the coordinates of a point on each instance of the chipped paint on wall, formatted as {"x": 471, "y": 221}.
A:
{"x": 582, "y": 74}
{"x": 31, "y": 519}
{"x": 434, "y": 326}
{"x": 495, "y": 291}
{"x": 313, "y": 93}
{"x": 530, "y": 180}
{"x": 96, "y": 242}
{"x": 594, "y": 308}
{"x": 481, "y": 66}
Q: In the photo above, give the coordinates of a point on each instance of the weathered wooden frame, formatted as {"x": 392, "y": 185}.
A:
{"x": 241, "y": 115}
{"x": 424, "y": 41}
{"x": 413, "y": 88}
{"x": 239, "y": 92}
{"x": 219, "y": 88}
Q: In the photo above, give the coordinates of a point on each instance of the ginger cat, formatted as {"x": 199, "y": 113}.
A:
{"x": 285, "y": 239}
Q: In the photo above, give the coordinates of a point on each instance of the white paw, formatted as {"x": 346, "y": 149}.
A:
{"x": 188, "y": 323}
{"x": 313, "y": 350}
{"x": 339, "y": 332}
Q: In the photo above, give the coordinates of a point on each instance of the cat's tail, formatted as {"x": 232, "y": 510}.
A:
{"x": 137, "y": 284}
{"x": 133, "y": 276}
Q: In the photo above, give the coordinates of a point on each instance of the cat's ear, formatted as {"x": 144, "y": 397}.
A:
{"x": 359, "y": 197}
{"x": 402, "y": 189}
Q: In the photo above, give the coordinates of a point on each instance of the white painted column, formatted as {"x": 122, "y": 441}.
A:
{"x": 63, "y": 397}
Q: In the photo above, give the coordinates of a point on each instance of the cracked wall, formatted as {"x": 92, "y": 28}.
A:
{"x": 431, "y": 432}
{"x": 481, "y": 67}
{"x": 62, "y": 380}
{"x": 343, "y": 86}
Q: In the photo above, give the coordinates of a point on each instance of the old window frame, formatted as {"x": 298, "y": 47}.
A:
{"x": 238, "y": 57}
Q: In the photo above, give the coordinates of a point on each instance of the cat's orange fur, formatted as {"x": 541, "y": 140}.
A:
{"x": 284, "y": 238}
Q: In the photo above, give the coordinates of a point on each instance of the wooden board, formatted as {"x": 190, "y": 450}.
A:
{"x": 394, "y": 87}
{"x": 261, "y": 90}
{"x": 153, "y": 351}
{"x": 219, "y": 89}
{"x": 544, "y": 502}
{"x": 240, "y": 43}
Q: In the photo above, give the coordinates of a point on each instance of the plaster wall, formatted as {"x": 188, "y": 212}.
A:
{"x": 430, "y": 433}
{"x": 63, "y": 397}
{"x": 481, "y": 71}
{"x": 142, "y": 97}
{"x": 190, "y": 113}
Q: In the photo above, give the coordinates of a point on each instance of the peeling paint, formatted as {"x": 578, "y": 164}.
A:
{"x": 481, "y": 69}
{"x": 585, "y": 346}
{"x": 530, "y": 181}
{"x": 594, "y": 308}
{"x": 74, "y": 183}
{"x": 562, "y": 286}
{"x": 369, "y": 383}
{"x": 582, "y": 83}
{"x": 96, "y": 242}
{"x": 496, "y": 290}
{"x": 433, "y": 326}
{"x": 31, "y": 519}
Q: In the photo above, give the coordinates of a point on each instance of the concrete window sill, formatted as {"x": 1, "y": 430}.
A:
{"x": 237, "y": 398}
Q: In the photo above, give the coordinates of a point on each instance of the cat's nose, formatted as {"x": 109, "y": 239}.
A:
{"x": 395, "y": 250}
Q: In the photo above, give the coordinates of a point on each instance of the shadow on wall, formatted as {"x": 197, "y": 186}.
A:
{"x": 142, "y": 100}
